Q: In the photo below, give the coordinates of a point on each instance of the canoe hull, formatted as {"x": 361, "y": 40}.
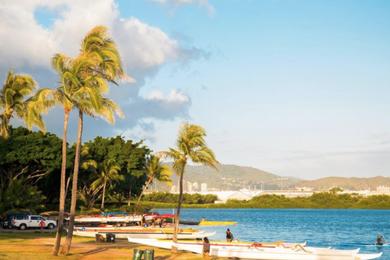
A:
{"x": 266, "y": 252}
{"x": 146, "y": 235}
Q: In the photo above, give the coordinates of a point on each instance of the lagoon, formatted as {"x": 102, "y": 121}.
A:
{"x": 339, "y": 228}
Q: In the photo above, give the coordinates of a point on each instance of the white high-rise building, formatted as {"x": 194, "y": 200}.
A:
{"x": 383, "y": 189}
{"x": 203, "y": 187}
{"x": 195, "y": 186}
{"x": 189, "y": 186}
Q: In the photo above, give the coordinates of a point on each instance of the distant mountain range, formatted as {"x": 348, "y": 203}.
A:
{"x": 346, "y": 183}
{"x": 233, "y": 177}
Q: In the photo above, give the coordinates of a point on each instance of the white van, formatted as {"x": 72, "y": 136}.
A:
{"x": 32, "y": 221}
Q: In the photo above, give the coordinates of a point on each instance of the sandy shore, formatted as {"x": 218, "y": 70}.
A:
{"x": 36, "y": 245}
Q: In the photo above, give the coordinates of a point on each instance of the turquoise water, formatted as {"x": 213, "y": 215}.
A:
{"x": 324, "y": 228}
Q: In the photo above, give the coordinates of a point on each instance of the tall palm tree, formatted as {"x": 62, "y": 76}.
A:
{"x": 190, "y": 146}
{"x": 17, "y": 98}
{"x": 109, "y": 173}
{"x": 62, "y": 96}
{"x": 77, "y": 90}
{"x": 67, "y": 95}
{"x": 155, "y": 170}
{"x": 89, "y": 101}
{"x": 101, "y": 63}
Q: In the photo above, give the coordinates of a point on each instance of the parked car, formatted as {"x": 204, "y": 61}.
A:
{"x": 7, "y": 221}
{"x": 32, "y": 221}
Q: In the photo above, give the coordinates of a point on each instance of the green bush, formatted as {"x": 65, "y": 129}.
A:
{"x": 173, "y": 198}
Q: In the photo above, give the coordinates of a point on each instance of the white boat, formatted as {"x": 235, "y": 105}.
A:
{"x": 108, "y": 219}
{"x": 139, "y": 232}
{"x": 269, "y": 251}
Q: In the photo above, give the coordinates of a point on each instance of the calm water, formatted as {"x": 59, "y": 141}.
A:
{"x": 323, "y": 228}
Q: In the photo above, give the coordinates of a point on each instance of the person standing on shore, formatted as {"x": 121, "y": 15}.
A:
{"x": 229, "y": 236}
{"x": 206, "y": 248}
{"x": 42, "y": 224}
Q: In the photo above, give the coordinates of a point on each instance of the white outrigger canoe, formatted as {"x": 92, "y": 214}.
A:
{"x": 268, "y": 251}
{"x": 109, "y": 219}
{"x": 139, "y": 232}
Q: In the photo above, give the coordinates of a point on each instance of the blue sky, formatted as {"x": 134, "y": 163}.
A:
{"x": 297, "y": 88}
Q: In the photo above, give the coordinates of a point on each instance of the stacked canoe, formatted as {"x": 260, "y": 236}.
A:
{"x": 269, "y": 251}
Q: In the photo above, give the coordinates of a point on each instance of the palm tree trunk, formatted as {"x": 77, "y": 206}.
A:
{"x": 60, "y": 224}
{"x": 129, "y": 199}
{"x": 73, "y": 203}
{"x": 67, "y": 186}
{"x": 142, "y": 192}
{"x": 104, "y": 193}
{"x": 177, "y": 215}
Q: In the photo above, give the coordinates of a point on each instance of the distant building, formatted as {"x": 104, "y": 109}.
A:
{"x": 189, "y": 187}
{"x": 173, "y": 189}
{"x": 203, "y": 187}
{"x": 195, "y": 186}
{"x": 383, "y": 189}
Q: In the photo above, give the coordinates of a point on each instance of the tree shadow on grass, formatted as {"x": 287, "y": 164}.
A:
{"x": 94, "y": 251}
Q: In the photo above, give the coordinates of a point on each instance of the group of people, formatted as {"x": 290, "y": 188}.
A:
{"x": 206, "y": 243}
{"x": 160, "y": 222}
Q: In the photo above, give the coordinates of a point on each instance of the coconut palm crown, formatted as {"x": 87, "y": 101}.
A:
{"x": 17, "y": 98}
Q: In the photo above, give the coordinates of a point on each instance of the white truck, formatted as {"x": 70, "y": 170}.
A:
{"x": 32, "y": 221}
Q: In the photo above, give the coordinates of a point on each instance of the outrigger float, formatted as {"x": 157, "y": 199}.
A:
{"x": 265, "y": 251}
{"x": 141, "y": 232}
{"x": 123, "y": 218}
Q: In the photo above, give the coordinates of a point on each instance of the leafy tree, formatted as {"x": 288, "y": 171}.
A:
{"x": 190, "y": 145}
{"x": 187, "y": 198}
{"x": 155, "y": 170}
{"x": 131, "y": 158}
{"x": 20, "y": 194}
{"x": 109, "y": 172}
{"x": 335, "y": 190}
{"x": 31, "y": 157}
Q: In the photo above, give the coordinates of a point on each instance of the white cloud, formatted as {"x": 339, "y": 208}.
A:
{"x": 26, "y": 45}
{"x": 143, "y": 46}
{"x": 26, "y": 42}
{"x": 174, "y": 96}
{"x": 23, "y": 42}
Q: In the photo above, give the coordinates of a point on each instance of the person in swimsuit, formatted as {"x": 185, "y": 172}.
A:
{"x": 229, "y": 236}
{"x": 206, "y": 247}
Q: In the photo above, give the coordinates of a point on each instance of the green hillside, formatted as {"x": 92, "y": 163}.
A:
{"x": 233, "y": 177}
{"x": 346, "y": 183}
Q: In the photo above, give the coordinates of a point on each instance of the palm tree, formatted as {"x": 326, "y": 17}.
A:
{"x": 89, "y": 101}
{"x": 70, "y": 90}
{"x": 100, "y": 62}
{"x": 83, "y": 92}
{"x": 190, "y": 146}
{"x": 16, "y": 98}
{"x": 155, "y": 170}
{"x": 109, "y": 173}
{"x": 62, "y": 95}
